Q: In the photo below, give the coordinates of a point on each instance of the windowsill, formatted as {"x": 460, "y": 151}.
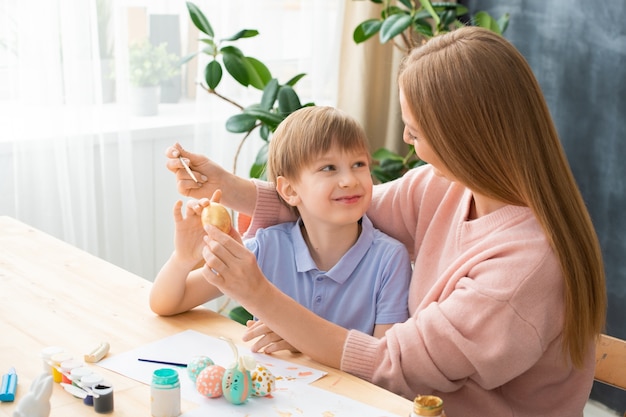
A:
{"x": 37, "y": 123}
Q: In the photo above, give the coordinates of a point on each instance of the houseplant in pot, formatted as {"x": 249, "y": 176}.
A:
{"x": 149, "y": 65}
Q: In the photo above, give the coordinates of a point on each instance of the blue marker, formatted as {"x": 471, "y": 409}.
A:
{"x": 9, "y": 385}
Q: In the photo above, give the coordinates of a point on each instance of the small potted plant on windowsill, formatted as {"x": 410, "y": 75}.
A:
{"x": 149, "y": 66}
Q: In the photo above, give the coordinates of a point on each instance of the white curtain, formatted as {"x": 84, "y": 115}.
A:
{"x": 74, "y": 160}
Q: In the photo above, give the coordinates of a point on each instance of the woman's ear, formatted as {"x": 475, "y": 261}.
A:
{"x": 287, "y": 191}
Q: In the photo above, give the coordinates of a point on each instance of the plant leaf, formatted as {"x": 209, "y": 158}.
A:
{"x": 240, "y": 315}
{"x": 394, "y": 25}
{"x": 240, "y": 123}
{"x": 428, "y": 6}
{"x": 188, "y": 58}
{"x": 366, "y": 30}
{"x": 244, "y": 33}
{"x": 484, "y": 20}
{"x": 236, "y": 65}
{"x": 213, "y": 74}
{"x": 270, "y": 92}
{"x": 423, "y": 27}
{"x": 264, "y": 132}
{"x": 288, "y": 100}
{"x": 459, "y": 9}
{"x": 259, "y": 74}
{"x": 257, "y": 170}
{"x": 503, "y": 22}
{"x": 272, "y": 120}
{"x": 199, "y": 19}
{"x": 384, "y": 153}
{"x": 295, "y": 79}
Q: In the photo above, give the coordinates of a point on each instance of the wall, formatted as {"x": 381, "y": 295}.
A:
{"x": 578, "y": 53}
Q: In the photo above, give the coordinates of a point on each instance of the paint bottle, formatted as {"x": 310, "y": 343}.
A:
{"x": 56, "y": 360}
{"x": 46, "y": 357}
{"x": 427, "y": 405}
{"x": 103, "y": 398}
{"x": 165, "y": 393}
{"x": 76, "y": 374}
{"x": 66, "y": 369}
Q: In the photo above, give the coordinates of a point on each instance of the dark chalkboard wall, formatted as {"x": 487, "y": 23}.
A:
{"x": 578, "y": 53}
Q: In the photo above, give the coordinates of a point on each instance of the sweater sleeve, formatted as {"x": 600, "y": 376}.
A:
{"x": 268, "y": 210}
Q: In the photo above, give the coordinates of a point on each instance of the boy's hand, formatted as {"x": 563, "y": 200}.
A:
{"x": 189, "y": 233}
{"x": 269, "y": 341}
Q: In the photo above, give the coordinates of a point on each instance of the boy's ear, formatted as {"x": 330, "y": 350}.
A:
{"x": 286, "y": 190}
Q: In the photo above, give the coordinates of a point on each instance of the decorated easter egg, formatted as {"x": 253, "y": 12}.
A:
{"x": 209, "y": 381}
{"x": 237, "y": 381}
{"x": 263, "y": 381}
{"x": 236, "y": 385}
{"x": 196, "y": 365}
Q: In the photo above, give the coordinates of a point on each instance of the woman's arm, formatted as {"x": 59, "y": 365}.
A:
{"x": 234, "y": 270}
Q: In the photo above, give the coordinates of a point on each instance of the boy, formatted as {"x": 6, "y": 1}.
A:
{"x": 331, "y": 260}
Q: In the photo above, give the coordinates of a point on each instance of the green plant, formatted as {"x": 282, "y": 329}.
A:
{"x": 408, "y": 24}
{"x": 276, "y": 102}
{"x": 150, "y": 65}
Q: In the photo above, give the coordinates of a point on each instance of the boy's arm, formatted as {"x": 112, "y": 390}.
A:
{"x": 178, "y": 286}
{"x": 380, "y": 329}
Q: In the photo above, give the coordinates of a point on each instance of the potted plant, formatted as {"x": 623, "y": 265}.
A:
{"x": 277, "y": 100}
{"x": 149, "y": 65}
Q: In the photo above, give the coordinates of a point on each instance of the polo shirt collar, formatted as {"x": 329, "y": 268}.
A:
{"x": 346, "y": 265}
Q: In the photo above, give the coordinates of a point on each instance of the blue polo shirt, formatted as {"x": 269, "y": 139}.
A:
{"x": 369, "y": 285}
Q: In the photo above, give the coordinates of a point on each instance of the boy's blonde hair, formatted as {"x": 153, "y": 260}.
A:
{"x": 308, "y": 133}
{"x": 479, "y": 106}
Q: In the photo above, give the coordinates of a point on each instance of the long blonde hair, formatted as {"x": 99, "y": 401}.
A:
{"x": 481, "y": 109}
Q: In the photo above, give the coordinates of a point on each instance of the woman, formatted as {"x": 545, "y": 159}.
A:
{"x": 507, "y": 295}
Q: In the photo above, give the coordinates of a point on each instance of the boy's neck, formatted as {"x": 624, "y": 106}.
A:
{"x": 327, "y": 243}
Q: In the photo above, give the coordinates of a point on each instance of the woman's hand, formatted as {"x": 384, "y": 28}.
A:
{"x": 269, "y": 341}
{"x": 231, "y": 267}
{"x": 209, "y": 174}
{"x": 239, "y": 193}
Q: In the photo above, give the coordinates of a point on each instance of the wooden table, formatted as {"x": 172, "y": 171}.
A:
{"x": 53, "y": 294}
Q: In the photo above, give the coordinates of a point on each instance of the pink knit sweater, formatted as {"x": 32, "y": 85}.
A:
{"x": 486, "y": 300}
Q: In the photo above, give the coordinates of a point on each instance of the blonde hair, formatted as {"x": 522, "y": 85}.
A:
{"x": 308, "y": 133}
{"x": 479, "y": 106}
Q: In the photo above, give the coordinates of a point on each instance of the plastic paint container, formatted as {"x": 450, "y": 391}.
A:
{"x": 91, "y": 380}
{"x": 46, "y": 357}
{"x": 165, "y": 393}
{"x": 57, "y": 359}
{"x": 103, "y": 403}
{"x": 78, "y": 373}
{"x": 66, "y": 369}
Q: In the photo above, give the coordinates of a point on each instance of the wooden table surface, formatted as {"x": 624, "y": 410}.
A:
{"x": 53, "y": 294}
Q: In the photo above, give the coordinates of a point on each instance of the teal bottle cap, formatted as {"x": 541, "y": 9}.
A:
{"x": 165, "y": 376}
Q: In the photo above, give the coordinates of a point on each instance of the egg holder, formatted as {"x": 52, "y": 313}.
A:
{"x": 242, "y": 379}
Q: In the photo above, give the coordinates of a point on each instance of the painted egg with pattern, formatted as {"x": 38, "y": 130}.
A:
{"x": 196, "y": 365}
{"x": 209, "y": 381}
{"x": 236, "y": 385}
{"x": 263, "y": 381}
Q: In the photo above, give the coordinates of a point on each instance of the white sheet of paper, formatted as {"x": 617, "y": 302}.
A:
{"x": 295, "y": 401}
{"x": 292, "y": 396}
{"x": 184, "y": 346}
